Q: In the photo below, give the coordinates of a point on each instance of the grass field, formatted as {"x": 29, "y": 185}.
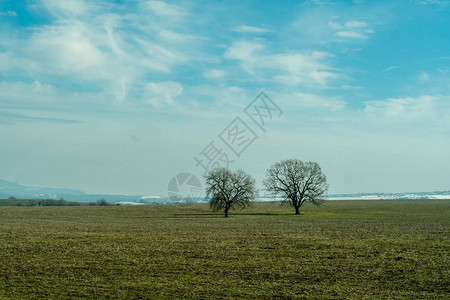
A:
{"x": 345, "y": 249}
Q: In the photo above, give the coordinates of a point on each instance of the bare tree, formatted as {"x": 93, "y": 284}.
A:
{"x": 229, "y": 190}
{"x": 297, "y": 182}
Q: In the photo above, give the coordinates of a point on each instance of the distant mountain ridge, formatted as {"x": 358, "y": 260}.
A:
{"x": 15, "y": 189}
{"x": 12, "y": 189}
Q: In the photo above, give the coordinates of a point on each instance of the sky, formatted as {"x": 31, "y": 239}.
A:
{"x": 119, "y": 97}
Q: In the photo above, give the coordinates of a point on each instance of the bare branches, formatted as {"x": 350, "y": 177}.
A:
{"x": 229, "y": 190}
{"x": 298, "y": 182}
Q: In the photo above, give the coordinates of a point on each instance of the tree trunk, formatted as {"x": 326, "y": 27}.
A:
{"x": 297, "y": 210}
{"x": 226, "y": 212}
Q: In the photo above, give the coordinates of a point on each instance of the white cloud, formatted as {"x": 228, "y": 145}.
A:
{"x": 335, "y": 25}
{"x": 38, "y": 96}
{"x": 9, "y": 13}
{"x": 99, "y": 46}
{"x": 423, "y": 76}
{"x": 310, "y": 101}
{"x": 307, "y": 68}
{"x": 235, "y": 89}
{"x": 215, "y": 73}
{"x": 24, "y": 92}
{"x": 251, "y": 29}
{"x": 228, "y": 99}
{"x": 408, "y": 108}
{"x": 71, "y": 47}
{"x": 163, "y": 92}
{"x": 350, "y": 34}
{"x": 390, "y": 68}
{"x": 243, "y": 50}
{"x": 157, "y": 57}
{"x": 318, "y": 24}
{"x": 302, "y": 68}
{"x": 172, "y": 36}
{"x": 68, "y": 7}
{"x": 355, "y": 24}
{"x": 162, "y": 8}
{"x": 351, "y": 29}
{"x": 437, "y": 2}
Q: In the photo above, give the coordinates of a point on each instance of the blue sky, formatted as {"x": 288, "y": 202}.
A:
{"x": 120, "y": 96}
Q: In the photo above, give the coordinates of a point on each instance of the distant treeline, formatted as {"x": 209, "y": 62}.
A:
{"x": 11, "y": 201}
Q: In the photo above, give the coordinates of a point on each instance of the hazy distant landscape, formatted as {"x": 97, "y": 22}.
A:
{"x": 9, "y": 189}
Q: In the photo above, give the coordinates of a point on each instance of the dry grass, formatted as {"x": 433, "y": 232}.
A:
{"x": 346, "y": 249}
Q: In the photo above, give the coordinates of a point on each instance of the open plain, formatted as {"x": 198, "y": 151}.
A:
{"x": 343, "y": 249}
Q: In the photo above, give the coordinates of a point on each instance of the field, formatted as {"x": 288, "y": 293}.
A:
{"x": 345, "y": 249}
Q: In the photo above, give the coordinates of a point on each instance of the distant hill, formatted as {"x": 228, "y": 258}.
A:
{"x": 12, "y": 189}
{"x": 8, "y": 189}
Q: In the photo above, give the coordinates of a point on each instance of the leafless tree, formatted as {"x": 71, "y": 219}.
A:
{"x": 297, "y": 182}
{"x": 229, "y": 190}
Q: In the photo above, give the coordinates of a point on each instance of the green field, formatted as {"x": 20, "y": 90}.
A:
{"x": 345, "y": 249}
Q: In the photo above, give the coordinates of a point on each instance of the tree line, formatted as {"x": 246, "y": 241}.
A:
{"x": 13, "y": 201}
{"x": 295, "y": 181}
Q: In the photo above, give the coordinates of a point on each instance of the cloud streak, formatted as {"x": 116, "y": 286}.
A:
{"x": 306, "y": 68}
{"x": 109, "y": 51}
{"x": 12, "y": 118}
{"x": 252, "y": 29}
{"x": 351, "y": 29}
{"x": 9, "y": 13}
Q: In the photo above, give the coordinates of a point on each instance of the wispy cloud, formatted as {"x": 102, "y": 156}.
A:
{"x": 351, "y": 29}
{"x": 126, "y": 68}
{"x": 390, "y": 68}
{"x": 313, "y": 102}
{"x": 307, "y": 68}
{"x": 251, "y": 29}
{"x": 422, "y": 108}
{"x": 214, "y": 73}
{"x": 113, "y": 51}
{"x": 324, "y": 24}
{"x": 162, "y": 8}
{"x": 437, "y": 2}
{"x": 423, "y": 76}
{"x": 176, "y": 37}
{"x": 355, "y": 24}
{"x": 68, "y": 8}
{"x": 243, "y": 50}
{"x": 12, "y": 118}
{"x": 9, "y": 13}
{"x": 350, "y": 34}
{"x": 163, "y": 92}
